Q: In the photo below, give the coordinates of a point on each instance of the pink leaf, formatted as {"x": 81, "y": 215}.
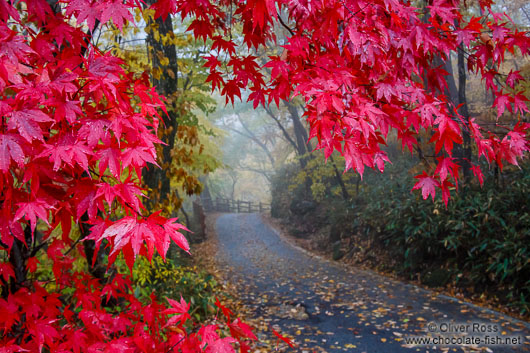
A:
{"x": 10, "y": 150}
{"x": 427, "y": 184}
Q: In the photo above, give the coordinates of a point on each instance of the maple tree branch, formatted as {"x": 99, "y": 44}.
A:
{"x": 318, "y": 67}
{"x": 263, "y": 173}
{"x": 282, "y": 128}
{"x": 182, "y": 339}
{"x": 88, "y": 38}
{"x": 73, "y": 245}
{"x": 38, "y": 247}
{"x": 422, "y": 156}
{"x": 285, "y": 26}
{"x": 356, "y": 12}
{"x": 257, "y": 141}
{"x": 176, "y": 344}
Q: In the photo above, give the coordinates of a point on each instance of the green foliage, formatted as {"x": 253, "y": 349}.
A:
{"x": 171, "y": 280}
{"x": 483, "y": 235}
{"x": 283, "y": 192}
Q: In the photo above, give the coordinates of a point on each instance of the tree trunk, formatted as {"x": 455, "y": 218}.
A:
{"x": 300, "y": 132}
{"x": 340, "y": 181}
{"x": 462, "y": 100}
{"x": 18, "y": 258}
{"x": 157, "y": 178}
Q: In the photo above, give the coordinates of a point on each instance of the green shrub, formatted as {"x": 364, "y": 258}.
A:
{"x": 483, "y": 233}
{"x": 167, "y": 279}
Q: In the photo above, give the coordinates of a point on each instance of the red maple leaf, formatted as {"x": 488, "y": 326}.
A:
{"x": 222, "y": 345}
{"x": 40, "y": 8}
{"x": 239, "y": 329}
{"x": 407, "y": 139}
{"x": 231, "y": 89}
{"x": 513, "y": 78}
{"x": 478, "y": 173}
{"x": 445, "y": 167}
{"x": 180, "y": 311}
{"x": 439, "y": 8}
{"x": 216, "y": 79}
{"x": 32, "y": 211}
{"x": 519, "y": 103}
{"x": 283, "y": 338}
{"x": 26, "y": 123}
{"x": 226, "y": 311}
{"x": 110, "y": 157}
{"x": 501, "y": 102}
{"x": 427, "y": 184}
{"x": 446, "y": 192}
{"x": 10, "y": 150}
{"x": 85, "y": 10}
{"x": 118, "y": 11}
{"x": 163, "y": 8}
{"x": 6, "y": 271}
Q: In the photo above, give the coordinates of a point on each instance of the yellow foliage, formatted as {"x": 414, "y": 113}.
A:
{"x": 156, "y": 72}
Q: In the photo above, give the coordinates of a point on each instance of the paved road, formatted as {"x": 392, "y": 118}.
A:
{"x": 329, "y": 308}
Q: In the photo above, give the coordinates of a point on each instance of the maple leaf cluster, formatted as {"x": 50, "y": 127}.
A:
{"x": 77, "y": 130}
{"x": 367, "y": 69}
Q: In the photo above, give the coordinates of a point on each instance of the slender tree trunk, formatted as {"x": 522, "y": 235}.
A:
{"x": 462, "y": 100}
{"x": 452, "y": 89}
{"x": 300, "y": 131}
{"x": 340, "y": 181}
{"x": 95, "y": 257}
{"x": 18, "y": 258}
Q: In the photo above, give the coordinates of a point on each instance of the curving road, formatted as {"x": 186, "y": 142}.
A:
{"x": 329, "y": 308}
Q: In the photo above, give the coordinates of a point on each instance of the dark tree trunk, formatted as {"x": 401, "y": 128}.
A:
{"x": 453, "y": 90}
{"x": 340, "y": 181}
{"x": 18, "y": 257}
{"x": 299, "y": 129}
{"x": 462, "y": 100}
{"x": 157, "y": 178}
{"x": 95, "y": 257}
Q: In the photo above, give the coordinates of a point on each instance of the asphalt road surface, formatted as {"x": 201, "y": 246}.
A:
{"x": 327, "y": 307}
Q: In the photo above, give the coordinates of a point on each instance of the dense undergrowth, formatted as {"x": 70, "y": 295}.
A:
{"x": 479, "y": 244}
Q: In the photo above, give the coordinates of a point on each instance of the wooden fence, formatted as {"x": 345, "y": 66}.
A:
{"x": 233, "y": 206}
